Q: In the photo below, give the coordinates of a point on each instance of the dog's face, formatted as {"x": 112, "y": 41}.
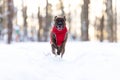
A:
{"x": 59, "y": 22}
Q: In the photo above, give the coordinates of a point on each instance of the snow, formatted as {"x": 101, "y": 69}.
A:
{"x": 81, "y": 61}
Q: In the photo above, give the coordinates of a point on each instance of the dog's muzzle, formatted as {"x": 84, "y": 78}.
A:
{"x": 60, "y": 25}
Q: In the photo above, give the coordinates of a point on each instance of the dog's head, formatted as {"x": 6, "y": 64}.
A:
{"x": 60, "y": 22}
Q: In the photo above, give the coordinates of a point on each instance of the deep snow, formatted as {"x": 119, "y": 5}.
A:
{"x": 82, "y": 61}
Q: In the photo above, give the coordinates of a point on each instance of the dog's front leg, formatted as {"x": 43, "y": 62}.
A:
{"x": 53, "y": 48}
{"x": 62, "y": 51}
{"x": 53, "y": 45}
{"x": 58, "y": 50}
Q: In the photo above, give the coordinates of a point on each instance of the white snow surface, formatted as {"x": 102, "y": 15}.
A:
{"x": 81, "y": 61}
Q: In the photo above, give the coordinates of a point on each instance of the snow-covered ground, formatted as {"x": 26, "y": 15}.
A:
{"x": 82, "y": 61}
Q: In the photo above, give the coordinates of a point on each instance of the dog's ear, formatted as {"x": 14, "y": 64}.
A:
{"x": 64, "y": 18}
{"x": 55, "y": 18}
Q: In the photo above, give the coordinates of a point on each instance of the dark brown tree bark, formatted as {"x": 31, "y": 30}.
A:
{"x": 85, "y": 21}
{"x": 9, "y": 19}
{"x": 109, "y": 13}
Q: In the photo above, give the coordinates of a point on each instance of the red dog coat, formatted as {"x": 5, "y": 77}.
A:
{"x": 59, "y": 34}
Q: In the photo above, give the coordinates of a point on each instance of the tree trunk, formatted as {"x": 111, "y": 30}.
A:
{"x": 109, "y": 13}
{"x": 9, "y": 18}
{"x": 101, "y": 28}
{"x": 46, "y": 25}
{"x": 115, "y": 21}
{"x": 24, "y": 10}
{"x": 62, "y": 8}
{"x": 69, "y": 19}
{"x": 85, "y": 21}
{"x": 48, "y": 19}
{"x": 40, "y": 24}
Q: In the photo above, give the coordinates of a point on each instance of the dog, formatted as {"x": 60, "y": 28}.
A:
{"x": 59, "y": 35}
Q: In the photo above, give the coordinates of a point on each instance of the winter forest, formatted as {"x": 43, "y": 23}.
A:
{"x": 87, "y": 20}
{"x": 92, "y": 50}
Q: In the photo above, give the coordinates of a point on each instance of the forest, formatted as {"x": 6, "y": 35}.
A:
{"x": 87, "y": 20}
{"x": 92, "y": 49}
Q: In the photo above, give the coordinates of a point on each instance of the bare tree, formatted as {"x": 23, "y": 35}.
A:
{"x": 101, "y": 28}
{"x": 48, "y": 21}
{"x": 25, "y": 21}
{"x": 62, "y": 7}
{"x": 24, "y": 12}
{"x": 1, "y": 19}
{"x": 9, "y": 19}
{"x": 109, "y": 26}
{"x": 69, "y": 19}
{"x": 115, "y": 21}
{"x": 40, "y": 24}
{"x": 85, "y": 21}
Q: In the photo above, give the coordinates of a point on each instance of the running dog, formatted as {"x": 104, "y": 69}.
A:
{"x": 59, "y": 35}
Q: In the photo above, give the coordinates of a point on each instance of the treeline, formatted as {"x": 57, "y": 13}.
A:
{"x": 105, "y": 26}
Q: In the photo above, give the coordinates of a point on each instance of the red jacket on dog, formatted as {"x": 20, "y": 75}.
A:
{"x": 60, "y": 34}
